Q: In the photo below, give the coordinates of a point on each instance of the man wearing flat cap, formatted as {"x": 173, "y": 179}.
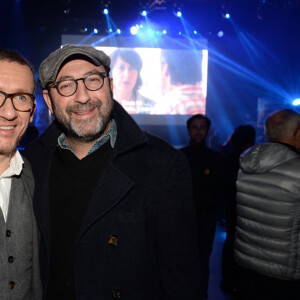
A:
{"x": 114, "y": 204}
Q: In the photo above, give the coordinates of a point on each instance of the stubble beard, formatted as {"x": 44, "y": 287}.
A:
{"x": 8, "y": 146}
{"x": 9, "y": 150}
{"x": 79, "y": 129}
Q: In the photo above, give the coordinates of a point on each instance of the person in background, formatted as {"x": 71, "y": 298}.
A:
{"x": 181, "y": 83}
{"x": 241, "y": 139}
{"x": 207, "y": 172}
{"x": 114, "y": 204}
{"x": 19, "y": 262}
{"x": 267, "y": 247}
{"x": 126, "y": 66}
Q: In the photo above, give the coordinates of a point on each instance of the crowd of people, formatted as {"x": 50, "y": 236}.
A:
{"x": 96, "y": 208}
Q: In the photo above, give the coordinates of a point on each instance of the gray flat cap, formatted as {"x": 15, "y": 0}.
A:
{"x": 49, "y": 68}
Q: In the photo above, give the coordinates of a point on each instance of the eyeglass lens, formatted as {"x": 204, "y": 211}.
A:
{"x": 22, "y": 102}
{"x": 92, "y": 82}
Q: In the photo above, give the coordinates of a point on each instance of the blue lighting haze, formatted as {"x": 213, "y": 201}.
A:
{"x": 296, "y": 102}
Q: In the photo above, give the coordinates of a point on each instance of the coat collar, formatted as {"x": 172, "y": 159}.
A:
{"x": 129, "y": 133}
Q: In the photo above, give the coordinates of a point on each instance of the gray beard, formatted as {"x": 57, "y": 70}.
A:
{"x": 74, "y": 130}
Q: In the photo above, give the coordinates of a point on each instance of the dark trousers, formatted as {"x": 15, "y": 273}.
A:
{"x": 229, "y": 266}
{"x": 254, "y": 286}
{"x": 206, "y": 229}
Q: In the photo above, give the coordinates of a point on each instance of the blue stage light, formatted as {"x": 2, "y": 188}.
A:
{"x": 227, "y": 16}
{"x": 133, "y": 30}
{"x": 296, "y": 102}
{"x": 179, "y": 14}
{"x": 195, "y": 32}
{"x": 95, "y": 30}
{"x": 220, "y": 34}
{"x": 118, "y": 31}
{"x": 105, "y": 11}
{"x": 164, "y": 31}
{"x": 144, "y": 13}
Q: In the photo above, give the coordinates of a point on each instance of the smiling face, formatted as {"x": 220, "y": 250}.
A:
{"x": 14, "y": 78}
{"x": 125, "y": 78}
{"x": 86, "y": 115}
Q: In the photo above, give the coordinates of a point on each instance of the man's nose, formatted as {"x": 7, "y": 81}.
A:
{"x": 82, "y": 93}
{"x": 8, "y": 111}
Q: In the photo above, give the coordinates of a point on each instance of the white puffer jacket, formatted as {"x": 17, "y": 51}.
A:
{"x": 267, "y": 237}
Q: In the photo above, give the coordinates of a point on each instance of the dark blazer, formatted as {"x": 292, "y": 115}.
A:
{"x": 138, "y": 239}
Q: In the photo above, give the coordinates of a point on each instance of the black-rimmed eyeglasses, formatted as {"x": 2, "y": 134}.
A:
{"x": 20, "y": 101}
{"x": 68, "y": 87}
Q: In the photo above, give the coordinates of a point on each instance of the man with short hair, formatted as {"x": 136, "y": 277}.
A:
{"x": 207, "y": 173}
{"x": 181, "y": 72}
{"x": 267, "y": 246}
{"x": 114, "y": 203}
{"x": 19, "y": 267}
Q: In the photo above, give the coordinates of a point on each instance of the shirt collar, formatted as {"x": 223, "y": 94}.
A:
{"x": 15, "y": 166}
{"x": 111, "y": 135}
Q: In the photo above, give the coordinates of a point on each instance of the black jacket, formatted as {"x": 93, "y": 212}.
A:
{"x": 207, "y": 168}
{"x": 144, "y": 201}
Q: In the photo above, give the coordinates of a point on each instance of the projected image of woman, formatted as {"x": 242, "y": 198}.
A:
{"x": 126, "y": 65}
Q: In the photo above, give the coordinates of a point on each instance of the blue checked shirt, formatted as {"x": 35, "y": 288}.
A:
{"x": 111, "y": 135}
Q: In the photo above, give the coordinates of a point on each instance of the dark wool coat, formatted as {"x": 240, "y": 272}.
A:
{"x": 144, "y": 201}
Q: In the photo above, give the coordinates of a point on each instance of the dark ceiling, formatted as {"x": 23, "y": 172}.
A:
{"x": 206, "y": 16}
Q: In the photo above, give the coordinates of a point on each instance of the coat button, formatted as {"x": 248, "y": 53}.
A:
{"x": 113, "y": 240}
{"x": 11, "y": 285}
{"x": 10, "y": 259}
{"x": 116, "y": 294}
{"x": 8, "y": 233}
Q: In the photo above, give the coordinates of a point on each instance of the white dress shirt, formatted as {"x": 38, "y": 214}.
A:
{"x": 15, "y": 168}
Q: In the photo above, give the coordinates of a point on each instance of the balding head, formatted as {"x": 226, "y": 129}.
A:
{"x": 284, "y": 126}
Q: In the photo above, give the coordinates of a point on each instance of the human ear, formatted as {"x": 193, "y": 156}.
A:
{"x": 32, "y": 111}
{"x": 47, "y": 99}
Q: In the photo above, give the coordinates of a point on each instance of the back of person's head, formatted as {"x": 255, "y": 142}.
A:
{"x": 284, "y": 126}
{"x": 198, "y": 116}
{"x": 243, "y": 137}
{"x": 133, "y": 59}
{"x": 184, "y": 67}
{"x": 13, "y": 56}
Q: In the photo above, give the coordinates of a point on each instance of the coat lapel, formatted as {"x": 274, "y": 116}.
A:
{"x": 110, "y": 190}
